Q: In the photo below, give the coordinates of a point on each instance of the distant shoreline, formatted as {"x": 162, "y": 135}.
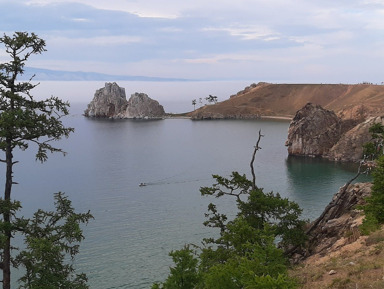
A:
{"x": 271, "y": 117}
{"x": 177, "y": 117}
{"x": 277, "y": 117}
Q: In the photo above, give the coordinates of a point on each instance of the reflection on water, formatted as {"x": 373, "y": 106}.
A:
{"x": 312, "y": 181}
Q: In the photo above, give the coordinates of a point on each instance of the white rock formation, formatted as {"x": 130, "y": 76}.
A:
{"x": 141, "y": 105}
{"x": 111, "y": 102}
{"x": 107, "y": 102}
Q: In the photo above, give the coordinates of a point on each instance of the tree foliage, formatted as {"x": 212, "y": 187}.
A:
{"x": 51, "y": 236}
{"x": 374, "y": 148}
{"x": 211, "y": 98}
{"x": 184, "y": 274}
{"x": 244, "y": 253}
{"x": 25, "y": 121}
{"x": 259, "y": 209}
{"x": 374, "y": 208}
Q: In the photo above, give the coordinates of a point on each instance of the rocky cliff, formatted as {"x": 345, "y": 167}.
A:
{"x": 317, "y": 132}
{"x": 313, "y": 131}
{"x": 108, "y": 101}
{"x": 111, "y": 102}
{"x": 338, "y": 224}
{"x": 350, "y": 145}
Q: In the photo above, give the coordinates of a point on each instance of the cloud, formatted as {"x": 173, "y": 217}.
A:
{"x": 152, "y": 9}
{"x": 104, "y": 41}
{"x": 170, "y": 29}
{"x": 226, "y": 38}
{"x": 248, "y": 32}
{"x": 80, "y": 20}
{"x": 373, "y": 3}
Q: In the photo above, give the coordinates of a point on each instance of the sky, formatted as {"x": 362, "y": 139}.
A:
{"x": 291, "y": 41}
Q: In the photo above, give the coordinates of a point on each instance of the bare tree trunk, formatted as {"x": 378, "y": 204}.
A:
{"x": 253, "y": 160}
{"x": 6, "y": 265}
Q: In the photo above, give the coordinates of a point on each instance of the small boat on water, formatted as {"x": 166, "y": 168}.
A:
{"x": 142, "y": 184}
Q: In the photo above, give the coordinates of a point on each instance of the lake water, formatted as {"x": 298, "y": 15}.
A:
{"x": 127, "y": 244}
{"x": 135, "y": 228}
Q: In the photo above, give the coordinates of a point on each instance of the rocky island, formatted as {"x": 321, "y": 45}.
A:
{"x": 111, "y": 102}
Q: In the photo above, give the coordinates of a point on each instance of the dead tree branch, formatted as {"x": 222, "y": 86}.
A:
{"x": 257, "y": 147}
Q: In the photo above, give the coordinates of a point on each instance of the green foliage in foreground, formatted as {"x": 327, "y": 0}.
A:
{"x": 25, "y": 121}
{"x": 245, "y": 254}
{"x": 374, "y": 208}
{"x": 51, "y": 240}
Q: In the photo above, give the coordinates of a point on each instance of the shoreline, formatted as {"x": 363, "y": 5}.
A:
{"x": 266, "y": 117}
{"x": 277, "y": 117}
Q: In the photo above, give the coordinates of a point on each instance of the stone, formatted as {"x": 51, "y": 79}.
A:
{"x": 313, "y": 131}
{"x": 350, "y": 146}
{"x": 142, "y": 106}
{"x": 317, "y": 132}
{"x": 111, "y": 102}
{"x": 107, "y": 101}
{"x": 338, "y": 220}
{"x": 332, "y": 272}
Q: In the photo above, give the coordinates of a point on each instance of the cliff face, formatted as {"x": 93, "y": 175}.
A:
{"x": 111, "y": 102}
{"x": 339, "y": 219}
{"x": 350, "y": 145}
{"x": 317, "y": 132}
{"x": 313, "y": 131}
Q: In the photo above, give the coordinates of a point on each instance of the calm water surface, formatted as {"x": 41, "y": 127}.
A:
{"x": 127, "y": 244}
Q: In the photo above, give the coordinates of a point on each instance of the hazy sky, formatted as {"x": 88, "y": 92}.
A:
{"x": 257, "y": 40}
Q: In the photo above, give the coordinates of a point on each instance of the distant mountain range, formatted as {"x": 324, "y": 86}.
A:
{"x": 58, "y": 75}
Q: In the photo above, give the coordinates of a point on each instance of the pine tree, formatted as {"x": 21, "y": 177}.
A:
{"x": 23, "y": 121}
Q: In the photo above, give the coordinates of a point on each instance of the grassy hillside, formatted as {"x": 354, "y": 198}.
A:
{"x": 266, "y": 99}
{"x": 359, "y": 264}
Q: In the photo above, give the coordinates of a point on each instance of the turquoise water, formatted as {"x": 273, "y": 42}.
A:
{"x": 127, "y": 244}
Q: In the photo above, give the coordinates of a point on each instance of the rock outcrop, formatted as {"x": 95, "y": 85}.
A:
{"x": 313, "y": 131}
{"x": 108, "y": 101}
{"x": 142, "y": 106}
{"x": 111, "y": 102}
{"x": 317, "y": 132}
{"x": 350, "y": 145}
{"x": 338, "y": 224}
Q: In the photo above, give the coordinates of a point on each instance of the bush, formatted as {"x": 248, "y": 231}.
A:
{"x": 245, "y": 254}
{"x": 374, "y": 208}
{"x": 370, "y": 224}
